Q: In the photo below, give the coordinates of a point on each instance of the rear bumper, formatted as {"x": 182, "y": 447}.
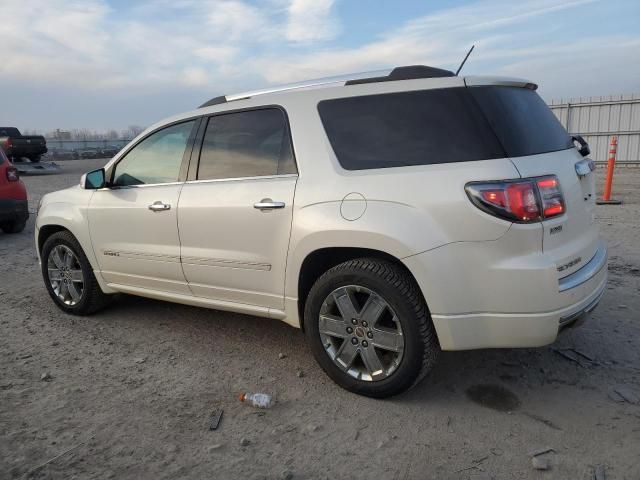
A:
{"x": 546, "y": 303}
{"x": 13, "y": 210}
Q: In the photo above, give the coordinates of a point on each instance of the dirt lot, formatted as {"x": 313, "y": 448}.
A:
{"x": 132, "y": 388}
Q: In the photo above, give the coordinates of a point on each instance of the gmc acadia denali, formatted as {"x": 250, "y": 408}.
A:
{"x": 390, "y": 215}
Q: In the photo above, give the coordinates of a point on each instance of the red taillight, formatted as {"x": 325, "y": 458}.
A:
{"x": 12, "y": 174}
{"x": 551, "y": 196}
{"x": 523, "y": 201}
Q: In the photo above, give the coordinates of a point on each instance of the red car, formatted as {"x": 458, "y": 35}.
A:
{"x": 13, "y": 198}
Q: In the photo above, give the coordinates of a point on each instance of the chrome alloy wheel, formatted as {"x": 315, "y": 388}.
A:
{"x": 361, "y": 333}
{"x": 65, "y": 275}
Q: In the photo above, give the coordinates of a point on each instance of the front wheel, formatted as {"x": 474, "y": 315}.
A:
{"x": 369, "y": 327}
{"x": 69, "y": 277}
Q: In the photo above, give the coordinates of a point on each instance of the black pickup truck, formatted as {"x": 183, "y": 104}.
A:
{"x": 16, "y": 145}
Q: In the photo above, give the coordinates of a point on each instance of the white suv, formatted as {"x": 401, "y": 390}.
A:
{"x": 390, "y": 215}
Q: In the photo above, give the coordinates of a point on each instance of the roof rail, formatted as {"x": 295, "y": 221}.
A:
{"x": 388, "y": 75}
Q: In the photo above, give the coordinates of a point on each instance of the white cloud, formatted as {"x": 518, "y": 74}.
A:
{"x": 233, "y": 20}
{"x": 151, "y": 47}
{"x": 437, "y": 39}
{"x": 218, "y": 54}
{"x": 311, "y": 20}
{"x": 195, "y": 77}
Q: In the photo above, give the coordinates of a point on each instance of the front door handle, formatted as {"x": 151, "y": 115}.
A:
{"x": 158, "y": 206}
{"x": 268, "y": 204}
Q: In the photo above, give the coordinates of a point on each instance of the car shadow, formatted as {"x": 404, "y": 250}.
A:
{"x": 501, "y": 379}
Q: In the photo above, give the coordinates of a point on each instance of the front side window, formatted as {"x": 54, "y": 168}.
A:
{"x": 157, "y": 159}
{"x": 252, "y": 143}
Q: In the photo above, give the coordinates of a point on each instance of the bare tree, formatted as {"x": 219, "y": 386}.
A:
{"x": 132, "y": 131}
{"x": 82, "y": 134}
{"x": 111, "y": 135}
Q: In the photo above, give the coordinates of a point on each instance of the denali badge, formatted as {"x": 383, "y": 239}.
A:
{"x": 557, "y": 229}
{"x": 573, "y": 262}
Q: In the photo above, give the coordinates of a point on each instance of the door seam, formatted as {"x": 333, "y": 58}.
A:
{"x": 186, "y": 280}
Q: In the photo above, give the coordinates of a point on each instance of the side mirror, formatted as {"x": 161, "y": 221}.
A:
{"x": 584, "y": 146}
{"x": 93, "y": 180}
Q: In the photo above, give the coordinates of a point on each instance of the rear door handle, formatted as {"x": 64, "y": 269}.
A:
{"x": 268, "y": 204}
{"x": 158, "y": 206}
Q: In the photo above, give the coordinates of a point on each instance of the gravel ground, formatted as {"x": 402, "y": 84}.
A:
{"x": 132, "y": 388}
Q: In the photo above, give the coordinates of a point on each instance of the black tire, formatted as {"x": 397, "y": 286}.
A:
{"x": 400, "y": 291}
{"x": 92, "y": 297}
{"x": 14, "y": 226}
{"x": 35, "y": 158}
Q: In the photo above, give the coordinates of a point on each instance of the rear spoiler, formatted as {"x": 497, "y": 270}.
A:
{"x": 477, "y": 81}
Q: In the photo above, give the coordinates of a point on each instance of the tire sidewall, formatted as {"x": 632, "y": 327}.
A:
{"x": 408, "y": 370}
{"x": 87, "y": 271}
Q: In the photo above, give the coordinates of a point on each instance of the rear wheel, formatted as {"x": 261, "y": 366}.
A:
{"x": 69, "y": 277}
{"x": 14, "y": 226}
{"x": 35, "y": 158}
{"x": 369, "y": 328}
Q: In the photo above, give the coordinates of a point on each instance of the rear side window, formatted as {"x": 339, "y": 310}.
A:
{"x": 408, "y": 128}
{"x": 521, "y": 120}
{"x": 252, "y": 143}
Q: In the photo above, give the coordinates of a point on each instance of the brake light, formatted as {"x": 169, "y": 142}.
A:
{"x": 522, "y": 201}
{"x": 12, "y": 174}
{"x": 551, "y": 196}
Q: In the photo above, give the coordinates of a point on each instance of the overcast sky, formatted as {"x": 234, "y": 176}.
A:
{"x": 103, "y": 64}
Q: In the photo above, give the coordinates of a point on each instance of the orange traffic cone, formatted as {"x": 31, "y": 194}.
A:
{"x": 611, "y": 164}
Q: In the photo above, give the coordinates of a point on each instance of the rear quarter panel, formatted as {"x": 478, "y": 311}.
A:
{"x": 574, "y": 234}
{"x": 404, "y": 211}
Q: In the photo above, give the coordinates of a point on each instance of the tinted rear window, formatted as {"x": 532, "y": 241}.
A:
{"x": 408, "y": 128}
{"x": 521, "y": 120}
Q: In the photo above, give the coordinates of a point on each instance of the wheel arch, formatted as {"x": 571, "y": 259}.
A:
{"x": 54, "y": 225}
{"x": 45, "y": 231}
{"x": 55, "y": 216}
{"x": 320, "y": 260}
